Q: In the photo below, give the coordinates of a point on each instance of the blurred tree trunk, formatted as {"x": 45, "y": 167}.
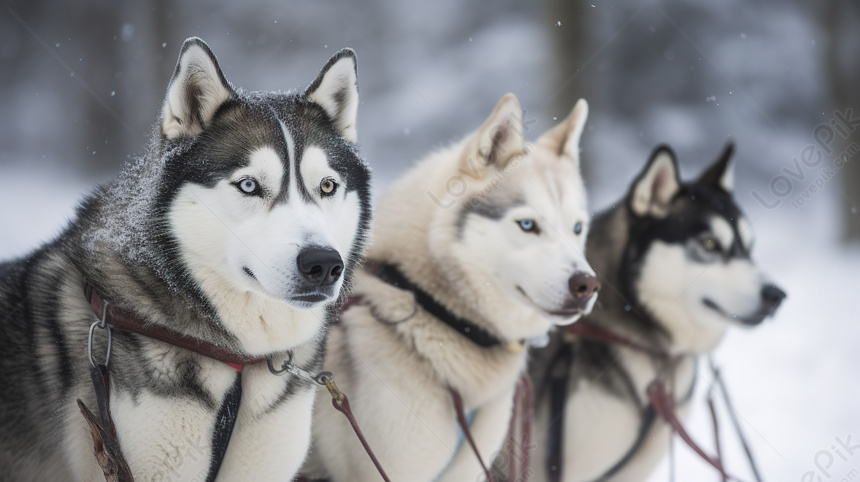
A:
{"x": 102, "y": 133}
{"x": 571, "y": 51}
{"x": 841, "y": 22}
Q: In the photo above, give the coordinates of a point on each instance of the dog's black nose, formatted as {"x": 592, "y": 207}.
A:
{"x": 320, "y": 265}
{"x": 772, "y": 296}
{"x": 583, "y": 286}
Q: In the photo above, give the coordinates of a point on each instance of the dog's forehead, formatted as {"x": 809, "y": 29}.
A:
{"x": 723, "y": 216}
{"x": 745, "y": 232}
{"x": 550, "y": 183}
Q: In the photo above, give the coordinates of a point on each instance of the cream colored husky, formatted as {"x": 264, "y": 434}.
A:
{"x": 477, "y": 249}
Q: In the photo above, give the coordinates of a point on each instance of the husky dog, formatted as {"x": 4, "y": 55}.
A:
{"x": 676, "y": 268}
{"x": 476, "y": 249}
{"x": 239, "y": 227}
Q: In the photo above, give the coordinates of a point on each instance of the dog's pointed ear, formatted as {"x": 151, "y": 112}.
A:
{"x": 196, "y": 91}
{"x": 654, "y": 188}
{"x": 501, "y": 136}
{"x": 721, "y": 174}
{"x": 336, "y": 91}
{"x": 564, "y": 138}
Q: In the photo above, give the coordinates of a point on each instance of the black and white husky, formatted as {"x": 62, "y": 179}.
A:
{"x": 239, "y": 227}
{"x": 477, "y": 249}
{"x": 677, "y": 271}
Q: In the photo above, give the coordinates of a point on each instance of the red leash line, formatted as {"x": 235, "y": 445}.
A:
{"x": 464, "y": 426}
{"x": 527, "y": 409}
{"x": 341, "y": 403}
{"x": 665, "y": 405}
{"x": 522, "y": 412}
{"x": 343, "y": 407}
{"x": 719, "y": 379}
{"x": 716, "y": 425}
{"x": 664, "y": 402}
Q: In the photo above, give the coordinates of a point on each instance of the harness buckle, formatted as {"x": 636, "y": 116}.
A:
{"x": 102, "y": 323}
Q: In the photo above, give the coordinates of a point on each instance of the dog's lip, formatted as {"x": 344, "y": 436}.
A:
{"x": 562, "y": 313}
{"x": 757, "y": 319}
{"x": 309, "y": 298}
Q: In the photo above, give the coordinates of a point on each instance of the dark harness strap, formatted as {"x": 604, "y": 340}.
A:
{"x": 558, "y": 374}
{"x": 648, "y": 416}
{"x": 224, "y": 423}
{"x": 105, "y": 442}
{"x": 662, "y": 403}
{"x": 114, "y": 317}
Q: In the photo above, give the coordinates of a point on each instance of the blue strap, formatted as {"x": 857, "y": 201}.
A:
{"x": 461, "y": 437}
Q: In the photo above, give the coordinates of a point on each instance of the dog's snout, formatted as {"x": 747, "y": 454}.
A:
{"x": 319, "y": 265}
{"x": 583, "y": 286}
{"x": 772, "y": 296}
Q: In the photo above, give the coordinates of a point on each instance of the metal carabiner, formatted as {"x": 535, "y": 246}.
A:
{"x": 285, "y": 367}
{"x": 290, "y": 367}
{"x": 100, "y": 324}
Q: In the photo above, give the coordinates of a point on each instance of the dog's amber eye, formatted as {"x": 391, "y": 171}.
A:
{"x": 577, "y": 228}
{"x": 710, "y": 244}
{"x": 328, "y": 186}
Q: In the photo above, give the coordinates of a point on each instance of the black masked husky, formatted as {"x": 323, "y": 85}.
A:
{"x": 676, "y": 268}
{"x": 237, "y": 230}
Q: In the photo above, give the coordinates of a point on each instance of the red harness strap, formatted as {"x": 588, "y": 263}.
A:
{"x": 664, "y": 402}
{"x": 523, "y": 406}
{"x": 464, "y": 426}
{"x": 104, "y": 434}
{"x": 121, "y": 319}
{"x": 659, "y": 395}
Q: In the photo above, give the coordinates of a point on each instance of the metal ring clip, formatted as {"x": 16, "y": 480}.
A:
{"x": 100, "y": 324}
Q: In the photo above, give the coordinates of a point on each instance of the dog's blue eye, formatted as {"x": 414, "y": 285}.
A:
{"x": 577, "y": 228}
{"x": 527, "y": 225}
{"x": 248, "y": 185}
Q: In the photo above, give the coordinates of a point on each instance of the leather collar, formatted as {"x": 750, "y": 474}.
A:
{"x": 121, "y": 319}
{"x": 390, "y": 274}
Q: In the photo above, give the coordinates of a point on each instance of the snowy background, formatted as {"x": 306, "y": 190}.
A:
{"x": 81, "y": 86}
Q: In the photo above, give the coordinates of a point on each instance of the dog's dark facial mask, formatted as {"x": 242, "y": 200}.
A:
{"x": 687, "y": 263}
{"x": 261, "y": 194}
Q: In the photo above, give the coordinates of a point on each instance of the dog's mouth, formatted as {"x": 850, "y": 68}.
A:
{"x": 308, "y": 300}
{"x": 567, "y": 315}
{"x": 753, "y": 320}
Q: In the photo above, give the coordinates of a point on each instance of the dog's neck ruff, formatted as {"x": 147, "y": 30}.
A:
{"x": 124, "y": 320}
{"x": 476, "y": 334}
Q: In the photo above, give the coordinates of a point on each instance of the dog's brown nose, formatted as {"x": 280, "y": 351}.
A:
{"x": 583, "y": 286}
